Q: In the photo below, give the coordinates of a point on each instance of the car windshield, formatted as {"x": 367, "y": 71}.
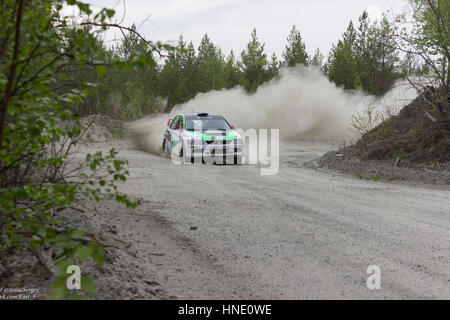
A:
{"x": 207, "y": 124}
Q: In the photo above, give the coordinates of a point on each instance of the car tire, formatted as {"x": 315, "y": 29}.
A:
{"x": 183, "y": 158}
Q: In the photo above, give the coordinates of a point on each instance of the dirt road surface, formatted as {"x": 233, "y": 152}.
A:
{"x": 225, "y": 232}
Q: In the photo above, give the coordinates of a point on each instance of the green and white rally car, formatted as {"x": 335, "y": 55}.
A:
{"x": 202, "y": 137}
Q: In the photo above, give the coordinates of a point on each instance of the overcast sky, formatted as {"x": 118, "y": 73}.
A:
{"x": 230, "y": 22}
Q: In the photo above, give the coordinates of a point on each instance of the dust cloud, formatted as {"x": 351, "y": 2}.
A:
{"x": 302, "y": 103}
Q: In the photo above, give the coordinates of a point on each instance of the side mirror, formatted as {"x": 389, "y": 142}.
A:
{"x": 180, "y": 128}
{"x": 232, "y": 127}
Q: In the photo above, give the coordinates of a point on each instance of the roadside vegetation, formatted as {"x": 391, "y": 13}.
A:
{"x": 366, "y": 58}
{"x": 55, "y": 69}
{"x": 420, "y": 133}
{"x": 40, "y": 51}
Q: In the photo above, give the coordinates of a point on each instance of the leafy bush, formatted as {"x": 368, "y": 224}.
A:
{"x": 371, "y": 115}
{"x": 38, "y": 132}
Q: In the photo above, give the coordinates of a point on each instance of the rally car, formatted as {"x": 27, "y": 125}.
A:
{"x": 202, "y": 137}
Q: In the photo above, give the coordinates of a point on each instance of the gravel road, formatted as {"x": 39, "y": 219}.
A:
{"x": 229, "y": 232}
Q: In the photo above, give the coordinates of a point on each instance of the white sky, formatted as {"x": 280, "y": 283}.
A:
{"x": 230, "y": 22}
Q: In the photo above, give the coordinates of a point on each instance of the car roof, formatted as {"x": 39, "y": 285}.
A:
{"x": 197, "y": 114}
{"x": 201, "y": 115}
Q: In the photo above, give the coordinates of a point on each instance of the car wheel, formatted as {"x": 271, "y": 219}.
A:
{"x": 183, "y": 158}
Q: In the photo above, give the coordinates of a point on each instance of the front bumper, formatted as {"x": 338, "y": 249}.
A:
{"x": 215, "y": 152}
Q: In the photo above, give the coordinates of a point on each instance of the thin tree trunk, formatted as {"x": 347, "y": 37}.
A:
{"x": 12, "y": 74}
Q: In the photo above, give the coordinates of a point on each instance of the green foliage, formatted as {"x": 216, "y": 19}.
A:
{"x": 173, "y": 77}
{"x": 430, "y": 36}
{"x": 425, "y": 40}
{"x": 232, "y": 71}
{"x": 191, "y": 72}
{"x": 54, "y": 70}
{"x": 295, "y": 51}
{"x": 371, "y": 115}
{"x": 273, "y": 68}
{"x": 78, "y": 254}
{"x": 40, "y": 48}
{"x": 365, "y": 57}
{"x": 376, "y": 54}
{"x": 317, "y": 59}
{"x": 343, "y": 67}
{"x": 210, "y": 62}
{"x": 254, "y": 63}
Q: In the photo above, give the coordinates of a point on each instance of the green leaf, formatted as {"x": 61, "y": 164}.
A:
{"x": 57, "y": 293}
{"x": 77, "y": 234}
{"x": 101, "y": 70}
{"x": 110, "y": 13}
{"x": 87, "y": 284}
{"x": 83, "y": 253}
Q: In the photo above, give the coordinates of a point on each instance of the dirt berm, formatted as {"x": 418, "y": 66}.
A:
{"x": 413, "y": 145}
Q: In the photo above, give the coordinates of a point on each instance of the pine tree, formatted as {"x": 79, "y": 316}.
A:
{"x": 232, "y": 71}
{"x": 172, "y": 76}
{"x": 386, "y": 57}
{"x": 350, "y": 35}
{"x": 254, "y": 63}
{"x": 295, "y": 51}
{"x": 363, "y": 52}
{"x": 342, "y": 66}
{"x": 274, "y": 67}
{"x": 191, "y": 71}
{"x": 376, "y": 55}
{"x": 372, "y": 48}
{"x": 317, "y": 59}
{"x": 211, "y": 64}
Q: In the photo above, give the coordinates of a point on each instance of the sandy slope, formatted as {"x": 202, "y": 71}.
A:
{"x": 219, "y": 232}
